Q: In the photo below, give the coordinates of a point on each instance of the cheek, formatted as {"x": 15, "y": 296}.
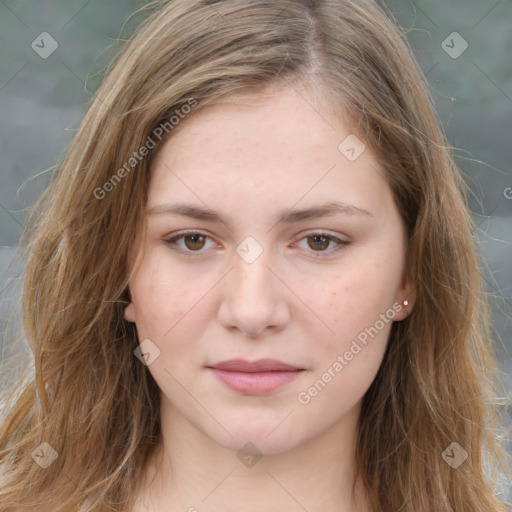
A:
{"x": 354, "y": 299}
{"x": 347, "y": 360}
{"x": 165, "y": 299}
{"x": 351, "y": 305}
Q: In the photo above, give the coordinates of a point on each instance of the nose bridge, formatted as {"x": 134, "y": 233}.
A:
{"x": 252, "y": 277}
{"x": 253, "y": 299}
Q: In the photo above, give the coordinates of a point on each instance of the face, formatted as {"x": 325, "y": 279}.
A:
{"x": 269, "y": 272}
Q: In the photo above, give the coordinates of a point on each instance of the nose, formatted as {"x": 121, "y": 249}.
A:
{"x": 254, "y": 300}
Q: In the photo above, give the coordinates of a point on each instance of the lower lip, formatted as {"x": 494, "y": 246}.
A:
{"x": 257, "y": 383}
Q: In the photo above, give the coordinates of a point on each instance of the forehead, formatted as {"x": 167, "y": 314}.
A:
{"x": 289, "y": 111}
{"x": 281, "y": 145}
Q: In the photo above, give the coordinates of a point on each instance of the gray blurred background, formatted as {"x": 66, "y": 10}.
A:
{"x": 53, "y": 55}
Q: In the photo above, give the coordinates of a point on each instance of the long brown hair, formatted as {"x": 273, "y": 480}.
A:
{"x": 94, "y": 403}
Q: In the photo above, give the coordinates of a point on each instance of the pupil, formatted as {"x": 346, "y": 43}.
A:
{"x": 195, "y": 240}
{"x": 318, "y": 240}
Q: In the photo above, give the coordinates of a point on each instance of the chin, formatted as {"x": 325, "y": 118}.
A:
{"x": 259, "y": 444}
{"x": 261, "y": 436}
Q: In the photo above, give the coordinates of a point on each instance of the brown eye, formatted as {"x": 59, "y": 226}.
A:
{"x": 319, "y": 242}
{"x": 194, "y": 242}
{"x": 189, "y": 242}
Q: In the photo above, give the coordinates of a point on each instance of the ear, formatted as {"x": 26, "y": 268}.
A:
{"x": 406, "y": 292}
{"x": 129, "y": 313}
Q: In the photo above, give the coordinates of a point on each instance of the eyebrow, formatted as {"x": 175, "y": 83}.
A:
{"x": 286, "y": 216}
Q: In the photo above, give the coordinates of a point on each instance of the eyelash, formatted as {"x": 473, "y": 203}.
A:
{"x": 171, "y": 241}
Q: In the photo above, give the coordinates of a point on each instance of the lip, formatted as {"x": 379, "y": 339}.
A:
{"x": 262, "y": 365}
{"x": 255, "y": 377}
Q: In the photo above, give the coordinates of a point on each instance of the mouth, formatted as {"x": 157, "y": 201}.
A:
{"x": 255, "y": 377}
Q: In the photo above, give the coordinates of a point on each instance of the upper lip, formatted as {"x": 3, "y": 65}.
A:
{"x": 262, "y": 365}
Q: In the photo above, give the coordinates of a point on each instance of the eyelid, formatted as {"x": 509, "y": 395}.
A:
{"x": 186, "y": 232}
{"x": 322, "y": 232}
{"x": 173, "y": 237}
{"x": 341, "y": 242}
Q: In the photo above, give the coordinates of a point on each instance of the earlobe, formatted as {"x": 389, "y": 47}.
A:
{"x": 406, "y": 298}
{"x": 129, "y": 313}
{"x": 403, "y": 310}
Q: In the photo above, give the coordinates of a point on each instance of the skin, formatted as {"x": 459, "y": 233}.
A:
{"x": 247, "y": 162}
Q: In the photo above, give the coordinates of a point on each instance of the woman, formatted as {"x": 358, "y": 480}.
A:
{"x": 252, "y": 284}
